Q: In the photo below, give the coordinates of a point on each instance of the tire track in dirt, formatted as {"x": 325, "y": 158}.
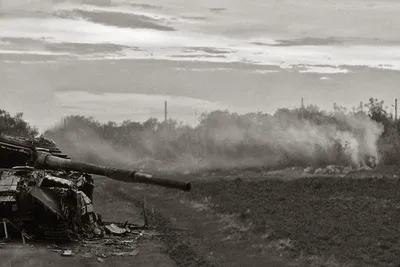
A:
{"x": 197, "y": 236}
{"x": 176, "y": 246}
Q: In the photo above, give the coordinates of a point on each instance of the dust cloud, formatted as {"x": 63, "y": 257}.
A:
{"x": 224, "y": 141}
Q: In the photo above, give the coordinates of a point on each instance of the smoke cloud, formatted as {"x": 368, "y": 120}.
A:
{"x": 226, "y": 140}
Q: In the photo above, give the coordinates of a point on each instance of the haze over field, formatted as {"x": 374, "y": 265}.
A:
{"x": 118, "y": 60}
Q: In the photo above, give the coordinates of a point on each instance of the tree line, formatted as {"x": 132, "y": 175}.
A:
{"x": 299, "y": 136}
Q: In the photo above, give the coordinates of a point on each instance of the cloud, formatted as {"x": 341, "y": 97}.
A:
{"x": 320, "y": 69}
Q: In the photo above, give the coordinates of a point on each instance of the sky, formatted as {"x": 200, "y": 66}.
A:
{"x": 120, "y": 59}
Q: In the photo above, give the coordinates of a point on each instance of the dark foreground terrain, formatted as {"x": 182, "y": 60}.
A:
{"x": 317, "y": 221}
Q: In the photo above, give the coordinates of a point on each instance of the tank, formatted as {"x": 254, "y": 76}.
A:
{"x": 44, "y": 194}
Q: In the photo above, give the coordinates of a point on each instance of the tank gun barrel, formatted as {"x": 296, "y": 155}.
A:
{"x": 46, "y": 160}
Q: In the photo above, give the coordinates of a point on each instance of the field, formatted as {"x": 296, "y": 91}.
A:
{"x": 350, "y": 221}
{"x": 263, "y": 220}
{"x": 320, "y": 221}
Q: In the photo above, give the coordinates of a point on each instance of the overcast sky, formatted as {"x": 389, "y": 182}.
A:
{"x": 57, "y": 56}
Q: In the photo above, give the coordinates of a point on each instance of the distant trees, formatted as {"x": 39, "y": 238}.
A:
{"x": 389, "y": 143}
{"x": 16, "y": 125}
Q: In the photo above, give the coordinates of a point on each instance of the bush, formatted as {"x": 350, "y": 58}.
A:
{"x": 16, "y": 125}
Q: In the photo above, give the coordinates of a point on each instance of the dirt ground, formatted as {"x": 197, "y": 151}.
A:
{"x": 259, "y": 221}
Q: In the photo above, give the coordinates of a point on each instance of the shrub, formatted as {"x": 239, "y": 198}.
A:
{"x": 16, "y": 125}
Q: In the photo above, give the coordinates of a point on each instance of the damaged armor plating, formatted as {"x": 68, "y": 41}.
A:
{"x": 39, "y": 201}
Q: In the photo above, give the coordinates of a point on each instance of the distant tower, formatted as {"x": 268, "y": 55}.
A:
{"x": 165, "y": 111}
